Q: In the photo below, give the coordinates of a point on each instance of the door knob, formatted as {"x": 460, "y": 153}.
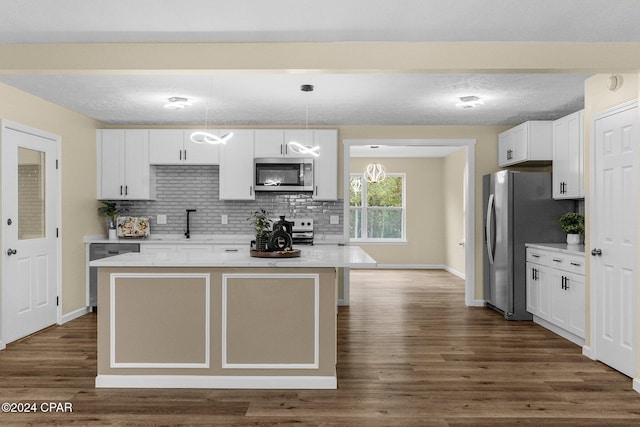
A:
{"x": 596, "y": 252}
{"x": 11, "y": 252}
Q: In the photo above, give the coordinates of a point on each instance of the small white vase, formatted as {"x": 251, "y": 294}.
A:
{"x": 112, "y": 234}
{"x": 573, "y": 239}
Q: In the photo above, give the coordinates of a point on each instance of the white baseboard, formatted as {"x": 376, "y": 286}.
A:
{"x": 588, "y": 352}
{"x": 478, "y": 303}
{"x": 559, "y": 331}
{"x": 2, "y": 345}
{"x": 636, "y": 384}
{"x": 74, "y": 314}
{"x": 454, "y": 272}
{"x": 198, "y": 381}
{"x": 410, "y": 266}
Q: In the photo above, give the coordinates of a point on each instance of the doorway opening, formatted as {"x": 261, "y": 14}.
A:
{"x": 411, "y": 148}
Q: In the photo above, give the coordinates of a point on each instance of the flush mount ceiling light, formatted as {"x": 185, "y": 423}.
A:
{"x": 469, "y": 102}
{"x": 297, "y": 147}
{"x": 374, "y": 173}
{"x": 206, "y": 137}
{"x": 177, "y": 103}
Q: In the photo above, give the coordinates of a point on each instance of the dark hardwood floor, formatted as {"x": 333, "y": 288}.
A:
{"x": 409, "y": 354}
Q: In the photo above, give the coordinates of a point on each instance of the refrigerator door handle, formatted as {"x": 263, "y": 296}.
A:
{"x": 490, "y": 209}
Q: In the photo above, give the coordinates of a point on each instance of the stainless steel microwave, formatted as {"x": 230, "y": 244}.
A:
{"x": 284, "y": 174}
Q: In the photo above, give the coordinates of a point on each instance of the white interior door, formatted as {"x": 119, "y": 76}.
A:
{"x": 614, "y": 228}
{"x": 29, "y": 215}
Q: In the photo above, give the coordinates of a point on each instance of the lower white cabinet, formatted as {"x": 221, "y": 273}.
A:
{"x": 556, "y": 290}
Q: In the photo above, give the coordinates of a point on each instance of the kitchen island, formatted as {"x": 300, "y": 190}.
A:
{"x": 220, "y": 320}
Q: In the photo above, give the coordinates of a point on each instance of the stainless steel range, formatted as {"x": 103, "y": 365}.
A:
{"x": 301, "y": 230}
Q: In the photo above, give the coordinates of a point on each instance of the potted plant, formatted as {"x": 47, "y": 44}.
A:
{"x": 110, "y": 210}
{"x": 573, "y": 224}
{"x": 262, "y": 226}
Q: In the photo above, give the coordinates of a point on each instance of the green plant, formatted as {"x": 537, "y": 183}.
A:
{"x": 572, "y": 223}
{"x": 110, "y": 210}
{"x": 261, "y": 222}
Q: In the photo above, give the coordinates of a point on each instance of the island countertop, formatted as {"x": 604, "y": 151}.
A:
{"x": 311, "y": 256}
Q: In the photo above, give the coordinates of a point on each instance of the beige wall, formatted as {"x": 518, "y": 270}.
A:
{"x": 454, "y": 170}
{"x": 424, "y": 211}
{"x": 486, "y": 153}
{"x": 78, "y": 181}
{"x": 599, "y": 98}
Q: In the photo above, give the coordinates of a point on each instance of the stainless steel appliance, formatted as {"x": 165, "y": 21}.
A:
{"x": 518, "y": 209}
{"x": 104, "y": 250}
{"x": 284, "y": 174}
{"x": 301, "y": 230}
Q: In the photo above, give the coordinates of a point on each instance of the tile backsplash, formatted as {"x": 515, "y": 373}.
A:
{"x": 196, "y": 187}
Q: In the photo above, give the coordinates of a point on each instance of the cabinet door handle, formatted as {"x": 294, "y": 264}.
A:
{"x": 121, "y": 190}
{"x": 535, "y": 255}
{"x": 509, "y": 154}
{"x": 251, "y": 190}
{"x": 576, "y": 264}
{"x": 180, "y": 154}
{"x": 281, "y": 149}
{"x": 126, "y": 190}
{"x": 185, "y": 155}
{"x": 557, "y": 260}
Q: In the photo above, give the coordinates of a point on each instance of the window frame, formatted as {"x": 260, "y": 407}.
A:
{"x": 364, "y": 206}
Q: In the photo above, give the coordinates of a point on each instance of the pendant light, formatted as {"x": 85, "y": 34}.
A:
{"x": 375, "y": 173}
{"x": 296, "y": 146}
{"x": 205, "y": 137}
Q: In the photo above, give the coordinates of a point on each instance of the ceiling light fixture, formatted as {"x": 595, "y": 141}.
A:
{"x": 177, "y": 103}
{"x": 469, "y": 102}
{"x": 205, "y": 137}
{"x": 297, "y": 147}
{"x": 375, "y": 173}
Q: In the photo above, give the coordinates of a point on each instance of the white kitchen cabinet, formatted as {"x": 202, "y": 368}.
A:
{"x": 556, "y": 287}
{"x": 124, "y": 172}
{"x": 568, "y": 156}
{"x": 530, "y": 141}
{"x": 175, "y": 147}
{"x": 325, "y": 166}
{"x": 237, "y": 167}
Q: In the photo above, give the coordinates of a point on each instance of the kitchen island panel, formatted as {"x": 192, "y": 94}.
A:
{"x": 279, "y": 362}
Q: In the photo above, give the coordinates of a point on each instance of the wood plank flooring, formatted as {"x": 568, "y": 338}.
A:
{"x": 409, "y": 354}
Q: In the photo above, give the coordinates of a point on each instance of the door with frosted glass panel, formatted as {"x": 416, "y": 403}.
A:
{"x": 29, "y": 213}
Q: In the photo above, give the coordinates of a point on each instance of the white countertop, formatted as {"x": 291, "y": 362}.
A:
{"x": 558, "y": 247}
{"x": 311, "y": 256}
{"x": 204, "y": 239}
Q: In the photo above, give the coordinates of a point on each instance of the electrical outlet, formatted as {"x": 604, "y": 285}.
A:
{"x": 334, "y": 220}
{"x": 224, "y": 219}
{"x": 161, "y": 219}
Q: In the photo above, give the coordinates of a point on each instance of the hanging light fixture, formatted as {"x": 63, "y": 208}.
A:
{"x": 297, "y": 147}
{"x": 206, "y": 137}
{"x": 374, "y": 173}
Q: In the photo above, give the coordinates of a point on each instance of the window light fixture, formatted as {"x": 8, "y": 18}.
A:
{"x": 297, "y": 147}
{"x": 177, "y": 103}
{"x": 375, "y": 173}
{"x": 469, "y": 102}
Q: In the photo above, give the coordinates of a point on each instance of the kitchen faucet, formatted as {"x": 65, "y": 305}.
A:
{"x": 187, "y": 233}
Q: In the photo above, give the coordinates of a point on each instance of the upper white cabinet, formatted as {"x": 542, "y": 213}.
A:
{"x": 124, "y": 172}
{"x": 175, "y": 147}
{"x": 529, "y": 141}
{"x": 568, "y": 157}
{"x": 237, "y": 167}
{"x": 325, "y": 166}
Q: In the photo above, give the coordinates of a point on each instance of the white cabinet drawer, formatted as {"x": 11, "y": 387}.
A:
{"x": 537, "y": 256}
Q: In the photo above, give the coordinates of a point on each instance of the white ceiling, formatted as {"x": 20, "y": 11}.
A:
{"x": 339, "y": 99}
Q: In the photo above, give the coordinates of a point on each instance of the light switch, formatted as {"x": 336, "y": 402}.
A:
{"x": 162, "y": 219}
{"x": 224, "y": 220}
{"x": 334, "y": 220}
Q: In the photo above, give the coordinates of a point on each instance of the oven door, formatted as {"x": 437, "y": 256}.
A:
{"x": 284, "y": 174}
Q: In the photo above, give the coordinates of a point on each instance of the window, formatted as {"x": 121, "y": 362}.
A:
{"x": 377, "y": 211}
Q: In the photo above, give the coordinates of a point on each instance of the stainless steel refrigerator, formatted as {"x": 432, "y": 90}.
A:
{"x": 518, "y": 209}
